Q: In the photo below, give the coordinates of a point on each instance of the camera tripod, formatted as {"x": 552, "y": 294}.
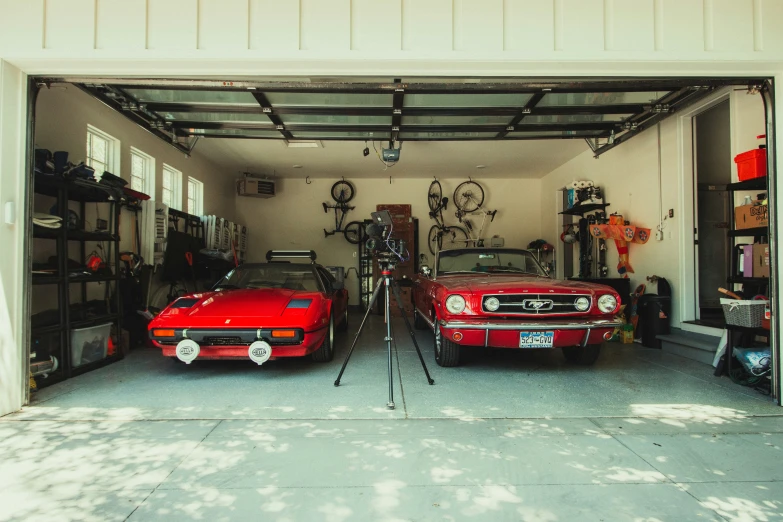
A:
{"x": 388, "y": 283}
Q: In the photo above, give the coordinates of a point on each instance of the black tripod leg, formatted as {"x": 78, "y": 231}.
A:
{"x": 397, "y": 298}
{"x": 361, "y": 327}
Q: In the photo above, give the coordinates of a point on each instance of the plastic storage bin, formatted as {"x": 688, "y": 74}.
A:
{"x": 751, "y": 164}
{"x": 89, "y": 344}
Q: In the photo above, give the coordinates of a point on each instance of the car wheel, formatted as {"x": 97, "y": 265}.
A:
{"x": 418, "y": 321}
{"x": 446, "y": 352}
{"x": 582, "y": 356}
{"x": 326, "y": 352}
{"x": 344, "y": 323}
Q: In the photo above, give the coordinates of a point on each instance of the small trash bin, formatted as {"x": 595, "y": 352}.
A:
{"x": 654, "y": 318}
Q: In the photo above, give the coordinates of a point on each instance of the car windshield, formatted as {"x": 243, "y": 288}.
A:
{"x": 282, "y": 275}
{"x": 489, "y": 261}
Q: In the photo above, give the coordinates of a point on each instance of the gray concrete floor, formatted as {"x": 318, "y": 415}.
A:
{"x": 511, "y": 435}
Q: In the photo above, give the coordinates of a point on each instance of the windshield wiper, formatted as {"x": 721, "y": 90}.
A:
{"x": 226, "y": 287}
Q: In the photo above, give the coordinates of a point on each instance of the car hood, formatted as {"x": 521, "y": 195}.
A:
{"x": 489, "y": 284}
{"x": 262, "y": 302}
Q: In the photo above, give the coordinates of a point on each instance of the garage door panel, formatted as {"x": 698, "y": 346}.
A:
{"x": 582, "y": 25}
{"x": 630, "y": 26}
{"x": 121, "y": 25}
{"x": 682, "y": 26}
{"x": 729, "y": 25}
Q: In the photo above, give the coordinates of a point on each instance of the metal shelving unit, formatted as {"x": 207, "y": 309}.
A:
{"x": 82, "y": 192}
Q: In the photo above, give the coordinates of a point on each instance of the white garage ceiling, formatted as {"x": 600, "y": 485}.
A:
{"x": 519, "y": 159}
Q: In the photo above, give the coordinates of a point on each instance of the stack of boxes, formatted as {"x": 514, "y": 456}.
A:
{"x": 405, "y": 230}
{"x": 755, "y": 258}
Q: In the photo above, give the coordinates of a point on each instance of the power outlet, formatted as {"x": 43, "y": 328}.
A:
{"x": 354, "y": 254}
{"x": 659, "y": 235}
{"x": 671, "y": 212}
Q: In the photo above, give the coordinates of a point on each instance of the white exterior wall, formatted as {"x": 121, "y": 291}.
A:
{"x": 13, "y": 113}
{"x": 229, "y": 38}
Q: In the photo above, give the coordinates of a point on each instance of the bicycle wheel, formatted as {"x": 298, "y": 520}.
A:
{"x": 469, "y": 196}
{"x": 434, "y": 195}
{"x": 342, "y": 191}
{"x": 354, "y": 232}
{"x": 455, "y": 237}
{"x": 434, "y": 239}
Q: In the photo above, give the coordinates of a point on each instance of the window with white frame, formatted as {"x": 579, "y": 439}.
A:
{"x": 195, "y": 197}
{"x": 142, "y": 172}
{"x": 172, "y": 187}
{"x": 103, "y": 152}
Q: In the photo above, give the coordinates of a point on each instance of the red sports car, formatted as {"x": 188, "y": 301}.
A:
{"x": 502, "y": 298}
{"x": 257, "y": 312}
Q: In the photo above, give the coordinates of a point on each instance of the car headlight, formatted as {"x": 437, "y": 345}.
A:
{"x": 492, "y": 304}
{"x": 582, "y": 304}
{"x": 455, "y": 304}
{"x": 607, "y": 303}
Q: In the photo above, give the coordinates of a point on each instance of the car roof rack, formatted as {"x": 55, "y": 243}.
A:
{"x": 297, "y": 254}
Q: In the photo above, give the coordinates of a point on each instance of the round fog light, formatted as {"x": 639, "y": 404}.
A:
{"x": 492, "y": 304}
{"x": 187, "y": 350}
{"x": 259, "y": 352}
{"x": 582, "y": 304}
{"x": 457, "y": 336}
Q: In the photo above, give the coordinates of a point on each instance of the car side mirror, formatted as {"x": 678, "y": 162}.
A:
{"x": 425, "y": 271}
{"x": 338, "y": 285}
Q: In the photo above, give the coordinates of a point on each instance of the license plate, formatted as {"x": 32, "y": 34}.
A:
{"x": 536, "y": 339}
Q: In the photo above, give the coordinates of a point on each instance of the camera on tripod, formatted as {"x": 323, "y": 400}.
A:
{"x": 380, "y": 242}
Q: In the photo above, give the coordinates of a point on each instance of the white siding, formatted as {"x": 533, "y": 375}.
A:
{"x": 121, "y": 24}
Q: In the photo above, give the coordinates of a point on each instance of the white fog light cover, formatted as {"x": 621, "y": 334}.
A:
{"x": 455, "y": 304}
{"x": 259, "y": 352}
{"x": 492, "y": 304}
{"x": 607, "y": 303}
{"x": 582, "y": 304}
{"x": 187, "y": 350}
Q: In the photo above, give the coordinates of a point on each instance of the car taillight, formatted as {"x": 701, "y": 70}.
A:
{"x": 283, "y": 334}
{"x": 163, "y": 333}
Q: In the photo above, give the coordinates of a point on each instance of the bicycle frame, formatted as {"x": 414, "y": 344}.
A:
{"x": 340, "y": 210}
{"x": 477, "y": 240}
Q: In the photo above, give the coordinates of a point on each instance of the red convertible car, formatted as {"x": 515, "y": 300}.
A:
{"x": 502, "y": 298}
{"x": 257, "y": 312}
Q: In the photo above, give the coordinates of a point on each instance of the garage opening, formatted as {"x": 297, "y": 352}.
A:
{"x": 149, "y": 192}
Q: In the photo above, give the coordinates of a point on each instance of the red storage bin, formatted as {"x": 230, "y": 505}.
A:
{"x": 751, "y": 164}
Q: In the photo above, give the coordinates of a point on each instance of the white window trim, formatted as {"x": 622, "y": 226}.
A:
{"x": 199, "y": 199}
{"x": 113, "y": 152}
{"x": 176, "y": 189}
{"x": 149, "y": 171}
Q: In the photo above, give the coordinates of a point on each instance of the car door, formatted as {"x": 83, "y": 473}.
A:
{"x": 339, "y": 297}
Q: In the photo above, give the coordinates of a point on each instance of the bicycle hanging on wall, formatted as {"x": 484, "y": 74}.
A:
{"x": 469, "y": 199}
{"x": 343, "y": 192}
{"x": 441, "y": 235}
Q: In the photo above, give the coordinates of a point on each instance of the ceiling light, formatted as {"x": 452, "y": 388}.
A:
{"x": 297, "y": 166}
{"x": 303, "y": 144}
{"x": 481, "y": 166}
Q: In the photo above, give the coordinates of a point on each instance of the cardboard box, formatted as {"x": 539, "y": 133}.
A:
{"x": 760, "y": 260}
{"x": 747, "y": 260}
{"x": 750, "y": 216}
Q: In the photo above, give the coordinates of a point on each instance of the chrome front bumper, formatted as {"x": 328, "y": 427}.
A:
{"x": 584, "y": 324}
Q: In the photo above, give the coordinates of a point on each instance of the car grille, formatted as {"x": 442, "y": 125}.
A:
{"x": 528, "y": 304}
{"x": 223, "y": 341}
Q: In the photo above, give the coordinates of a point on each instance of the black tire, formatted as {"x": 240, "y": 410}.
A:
{"x": 418, "y": 322}
{"x": 582, "y": 356}
{"x": 354, "y": 232}
{"x": 325, "y": 352}
{"x": 469, "y": 196}
{"x": 344, "y": 323}
{"x": 434, "y": 240}
{"x": 455, "y": 237}
{"x": 434, "y": 195}
{"x": 446, "y": 352}
{"x": 342, "y": 191}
